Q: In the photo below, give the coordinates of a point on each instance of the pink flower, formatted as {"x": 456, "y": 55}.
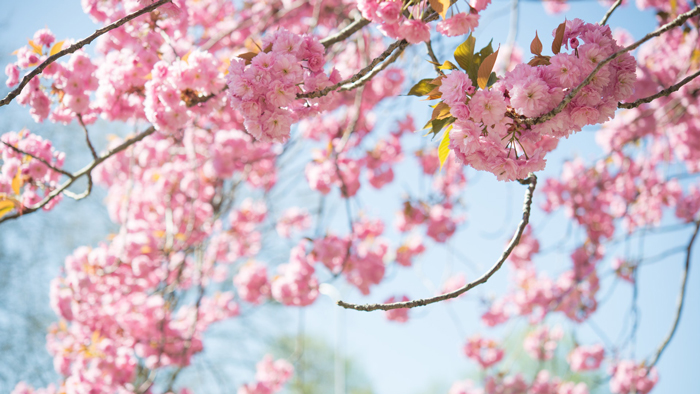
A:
{"x": 251, "y": 282}
{"x": 487, "y": 106}
{"x": 484, "y": 351}
{"x": 12, "y": 72}
{"x": 389, "y": 11}
{"x": 454, "y": 88}
{"x": 586, "y": 358}
{"x": 627, "y": 375}
{"x": 414, "y": 31}
{"x": 44, "y": 37}
{"x": 541, "y": 343}
{"x": 459, "y": 24}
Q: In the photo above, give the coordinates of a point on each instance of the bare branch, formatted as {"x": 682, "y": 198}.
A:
{"x": 662, "y": 93}
{"x": 85, "y": 41}
{"x": 349, "y": 30}
{"x": 436, "y": 62}
{"x": 675, "y": 23}
{"x": 46, "y": 163}
{"x": 681, "y": 297}
{"x": 85, "y": 171}
{"x": 531, "y": 181}
{"x": 87, "y": 137}
{"x": 371, "y": 74}
{"x": 610, "y": 12}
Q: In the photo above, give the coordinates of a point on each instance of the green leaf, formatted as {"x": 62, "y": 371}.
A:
{"x": 493, "y": 78}
{"x": 439, "y": 124}
{"x": 464, "y": 54}
{"x": 422, "y": 88}
{"x": 444, "y": 148}
{"x": 487, "y": 50}
{"x": 447, "y": 65}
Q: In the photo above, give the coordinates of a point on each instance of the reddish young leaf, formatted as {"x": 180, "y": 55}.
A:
{"x": 485, "y": 69}
{"x": 536, "y": 45}
{"x": 559, "y": 38}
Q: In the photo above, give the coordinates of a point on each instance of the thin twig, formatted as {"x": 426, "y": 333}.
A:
{"x": 85, "y": 41}
{"x": 675, "y": 23}
{"x": 86, "y": 170}
{"x": 662, "y": 93}
{"x": 87, "y": 137}
{"x": 46, "y": 163}
{"x": 531, "y": 181}
{"x": 431, "y": 53}
{"x": 681, "y": 298}
{"x": 610, "y": 12}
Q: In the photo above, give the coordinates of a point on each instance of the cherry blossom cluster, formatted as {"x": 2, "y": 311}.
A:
{"x": 541, "y": 343}
{"x": 391, "y": 16}
{"x": 629, "y": 377}
{"x": 24, "y": 179}
{"x": 270, "y": 375}
{"x": 68, "y": 84}
{"x": 489, "y": 134}
{"x": 265, "y": 87}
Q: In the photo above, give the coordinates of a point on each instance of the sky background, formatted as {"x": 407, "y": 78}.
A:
{"x": 425, "y": 355}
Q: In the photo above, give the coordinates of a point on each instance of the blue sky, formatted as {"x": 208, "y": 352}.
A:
{"x": 410, "y": 358}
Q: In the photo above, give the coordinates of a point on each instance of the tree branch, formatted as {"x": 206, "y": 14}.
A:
{"x": 662, "y": 93}
{"x": 46, "y": 163}
{"x": 371, "y": 74}
{"x": 675, "y": 23}
{"x": 85, "y": 41}
{"x": 434, "y": 58}
{"x": 85, "y": 171}
{"x": 349, "y": 30}
{"x": 531, "y": 181}
{"x": 356, "y": 77}
{"x": 681, "y": 298}
{"x": 610, "y": 12}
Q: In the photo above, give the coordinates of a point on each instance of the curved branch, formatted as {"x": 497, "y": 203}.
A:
{"x": 349, "y": 30}
{"x": 371, "y": 74}
{"x": 85, "y": 41}
{"x": 44, "y": 162}
{"x": 431, "y": 53}
{"x": 356, "y": 77}
{"x": 610, "y": 12}
{"x": 675, "y": 23}
{"x": 85, "y": 171}
{"x": 681, "y": 298}
{"x": 531, "y": 181}
{"x": 662, "y": 93}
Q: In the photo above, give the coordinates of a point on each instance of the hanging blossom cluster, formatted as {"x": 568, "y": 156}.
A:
{"x": 265, "y": 87}
{"x": 24, "y": 179}
{"x": 489, "y": 133}
{"x": 393, "y": 22}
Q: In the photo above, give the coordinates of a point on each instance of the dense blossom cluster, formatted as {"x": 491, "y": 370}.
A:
{"x": 489, "y": 133}
{"x": 391, "y": 17}
{"x": 265, "y": 90}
